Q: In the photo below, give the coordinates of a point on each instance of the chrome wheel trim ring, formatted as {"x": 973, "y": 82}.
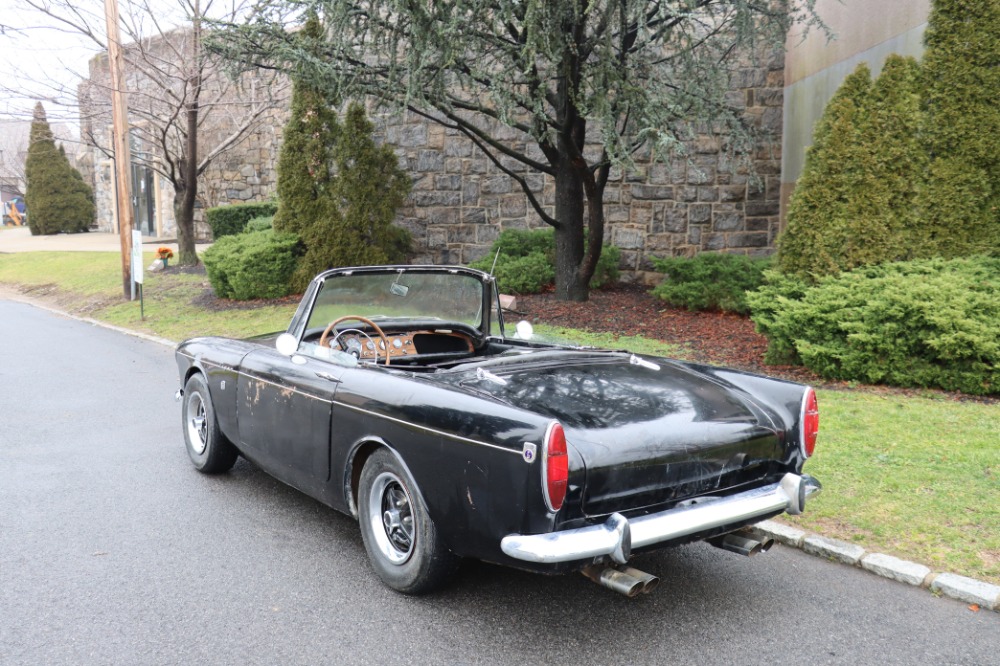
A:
{"x": 197, "y": 424}
{"x": 390, "y": 517}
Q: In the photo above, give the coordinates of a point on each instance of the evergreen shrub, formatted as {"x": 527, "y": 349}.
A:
{"x": 252, "y": 265}
{"x": 526, "y": 263}
{"x": 855, "y": 203}
{"x": 262, "y": 223}
{"x": 927, "y": 323}
{"x": 961, "y": 202}
{"x": 710, "y": 281}
{"x": 233, "y": 219}
{"x": 57, "y": 198}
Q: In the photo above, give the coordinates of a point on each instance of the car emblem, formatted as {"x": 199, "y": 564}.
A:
{"x": 528, "y": 453}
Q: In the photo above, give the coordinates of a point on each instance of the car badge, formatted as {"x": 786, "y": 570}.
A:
{"x": 529, "y": 451}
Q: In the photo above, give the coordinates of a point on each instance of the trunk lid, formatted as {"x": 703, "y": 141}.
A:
{"x": 647, "y": 435}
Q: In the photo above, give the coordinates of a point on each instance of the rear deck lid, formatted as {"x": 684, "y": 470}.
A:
{"x": 648, "y": 433}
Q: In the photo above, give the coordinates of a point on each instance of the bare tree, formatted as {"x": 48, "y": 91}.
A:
{"x": 13, "y": 150}
{"x": 176, "y": 91}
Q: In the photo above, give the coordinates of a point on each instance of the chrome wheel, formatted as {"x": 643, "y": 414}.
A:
{"x": 390, "y": 515}
{"x": 197, "y": 424}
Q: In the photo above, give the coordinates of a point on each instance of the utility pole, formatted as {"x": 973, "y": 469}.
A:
{"x": 123, "y": 160}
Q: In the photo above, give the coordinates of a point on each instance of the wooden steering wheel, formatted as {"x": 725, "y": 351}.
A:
{"x": 368, "y": 322}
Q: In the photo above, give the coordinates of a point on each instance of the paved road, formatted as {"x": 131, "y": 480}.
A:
{"x": 113, "y": 550}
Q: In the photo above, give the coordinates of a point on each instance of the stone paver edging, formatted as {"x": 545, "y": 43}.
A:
{"x": 969, "y": 590}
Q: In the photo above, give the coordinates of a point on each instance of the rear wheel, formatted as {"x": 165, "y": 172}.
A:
{"x": 401, "y": 539}
{"x": 207, "y": 447}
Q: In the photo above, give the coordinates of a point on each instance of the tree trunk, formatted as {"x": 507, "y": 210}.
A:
{"x": 184, "y": 198}
{"x": 569, "y": 235}
{"x": 186, "y": 189}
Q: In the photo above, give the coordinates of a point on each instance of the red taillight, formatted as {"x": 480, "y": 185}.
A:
{"x": 810, "y": 422}
{"x": 555, "y": 466}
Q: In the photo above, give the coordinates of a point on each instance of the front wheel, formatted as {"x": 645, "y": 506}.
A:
{"x": 402, "y": 541}
{"x": 207, "y": 447}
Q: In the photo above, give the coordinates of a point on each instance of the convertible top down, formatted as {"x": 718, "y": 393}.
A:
{"x": 400, "y": 396}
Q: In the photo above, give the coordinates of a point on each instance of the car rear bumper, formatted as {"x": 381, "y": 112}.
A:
{"x": 618, "y": 535}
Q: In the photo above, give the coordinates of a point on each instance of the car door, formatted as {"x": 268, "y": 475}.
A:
{"x": 284, "y": 406}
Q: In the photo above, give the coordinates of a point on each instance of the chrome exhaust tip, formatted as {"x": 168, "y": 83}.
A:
{"x": 627, "y": 581}
{"x": 741, "y": 545}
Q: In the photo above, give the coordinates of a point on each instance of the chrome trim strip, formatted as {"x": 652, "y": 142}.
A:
{"x": 610, "y": 537}
{"x": 432, "y": 431}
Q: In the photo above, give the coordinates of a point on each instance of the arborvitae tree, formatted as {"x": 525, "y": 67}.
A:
{"x": 961, "y": 200}
{"x": 304, "y": 165}
{"x": 57, "y": 198}
{"x": 369, "y": 189}
{"x": 886, "y": 219}
{"x": 337, "y": 189}
{"x": 820, "y": 210}
{"x": 855, "y": 202}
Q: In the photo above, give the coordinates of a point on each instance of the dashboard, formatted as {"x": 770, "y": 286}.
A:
{"x": 410, "y": 343}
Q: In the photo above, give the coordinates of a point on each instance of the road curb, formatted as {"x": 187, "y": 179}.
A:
{"x": 961, "y": 588}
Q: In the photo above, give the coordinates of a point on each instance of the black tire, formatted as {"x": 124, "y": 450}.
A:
{"x": 207, "y": 447}
{"x": 402, "y": 541}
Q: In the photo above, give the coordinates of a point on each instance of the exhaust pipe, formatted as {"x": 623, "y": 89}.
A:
{"x": 626, "y": 580}
{"x": 742, "y": 545}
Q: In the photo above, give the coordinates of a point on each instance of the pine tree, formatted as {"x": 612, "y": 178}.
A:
{"x": 961, "y": 200}
{"x": 57, "y": 198}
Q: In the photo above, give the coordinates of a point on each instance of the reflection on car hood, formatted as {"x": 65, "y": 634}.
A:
{"x": 647, "y": 435}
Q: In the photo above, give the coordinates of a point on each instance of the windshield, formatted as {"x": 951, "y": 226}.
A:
{"x": 399, "y": 296}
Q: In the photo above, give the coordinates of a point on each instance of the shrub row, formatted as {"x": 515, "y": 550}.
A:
{"x": 233, "y": 219}
{"x": 252, "y": 265}
{"x": 710, "y": 281}
{"x": 927, "y": 323}
{"x": 526, "y": 261}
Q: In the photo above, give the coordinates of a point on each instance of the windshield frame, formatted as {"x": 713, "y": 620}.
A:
{"x": 297, "y": 327}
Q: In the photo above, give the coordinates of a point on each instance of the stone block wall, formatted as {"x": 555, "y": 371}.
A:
{"x": 702, "y": 202}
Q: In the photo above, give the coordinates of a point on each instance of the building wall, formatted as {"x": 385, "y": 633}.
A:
{"x": 864, "y": 31}
{"x": 461, "y": 201}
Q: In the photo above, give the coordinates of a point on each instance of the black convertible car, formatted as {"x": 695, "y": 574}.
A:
{"x": 399, "y": 395}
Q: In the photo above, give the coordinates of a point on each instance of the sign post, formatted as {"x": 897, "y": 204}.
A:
{"x": 137, "y": 270}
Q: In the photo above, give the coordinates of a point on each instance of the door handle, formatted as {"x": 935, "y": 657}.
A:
{"x": 328, "y": 376}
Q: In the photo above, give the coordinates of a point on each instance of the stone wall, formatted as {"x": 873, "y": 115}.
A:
{"x": 702, "y": 202}
{"x": 461, "y": 201}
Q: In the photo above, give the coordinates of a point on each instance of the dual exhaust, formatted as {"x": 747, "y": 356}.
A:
{"x": 631, "y": 582}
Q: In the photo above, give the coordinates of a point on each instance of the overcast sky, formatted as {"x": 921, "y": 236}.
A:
{"x": 39, "y": 62}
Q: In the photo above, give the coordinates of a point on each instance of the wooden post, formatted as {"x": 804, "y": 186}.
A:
{"x": 123, "y": 158}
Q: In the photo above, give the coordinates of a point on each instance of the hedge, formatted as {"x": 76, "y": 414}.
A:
{"x": 252, "y": 265}
{"x": 927, "y": 323}
{"x": 233, "y": 219}
{"x": 710, "y": 281}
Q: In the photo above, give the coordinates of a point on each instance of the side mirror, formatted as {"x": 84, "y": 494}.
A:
{"x": 524, "y": 330}
{"x": 286, "y": 344}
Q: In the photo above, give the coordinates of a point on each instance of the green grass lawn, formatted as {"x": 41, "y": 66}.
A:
{"x": 915, "y": 477}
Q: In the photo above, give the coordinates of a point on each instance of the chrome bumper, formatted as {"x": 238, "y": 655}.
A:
{"x": 618, "y": 535}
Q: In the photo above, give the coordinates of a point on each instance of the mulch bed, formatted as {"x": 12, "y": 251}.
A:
{"x": 718, "y": 338}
